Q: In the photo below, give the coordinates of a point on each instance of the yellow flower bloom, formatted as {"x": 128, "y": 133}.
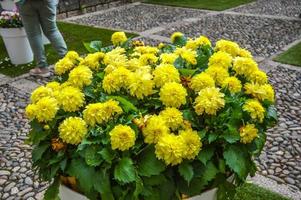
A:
{"x": 203, "y": 40}
{"x": 39, "y": 93}
{"x": 161, "y": 45}
{"x": 168, "y": 58}
{"x": 258, "y": 77}
{"x": 46, "y": 109}
{"x": 146, "y": 50}
{"x": 220, "y": 59}
{"x": 218, "y": 74}
{"x": 71, "y": 99}
{"x": 116, "y": 58}
{"x": 92, "y": 60}
{"x": 80, "y": 76}
{"x": 192, "y": 143}
{"x": 141, "y": 85}
{"x": 31, "y": 111}
{"x": 209, "y": 101}
{"x": 54, "y": 86}
{"x": 170, "y": 148}
{"x": 72, "y": 55}
{"x": 187, "y": 54}
{"x": 173, "y": 117}
{"x": 133, "y": 64}
{"x": 233, "y": 84}
{"x": 166, "y": 73}
{"x": 122, "y": 137}
{"x": 118, "y": 38}
{"x": 244, "y": 66}
{"x": 191, "y": 44}
{"x": 227, "y": 46}
{"x": 155, "y": 128}
{"x": 245, "y": 53}
{"x": 261, "y": 92}
{"x": 176, "y": 36}
{"x": 255, "y": 109}
{"x": 63, "y": 65}
{"x": 148, "y": 59}
{"x": 115, "y": 80}
{"x": 99, "y": 113}
{"x": 248, "y": 133}
{"x": 72, "y": 130}
{"x": 201, "y": 81}
{"x": 173, "y": 95}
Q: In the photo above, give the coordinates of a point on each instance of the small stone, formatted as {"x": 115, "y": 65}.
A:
{"x": 28, "y": 181}
{"x": 2, "y": 181}
{"x": 290, "y": 180}
{"x": 25, "y": 191}
{"x": 270, "y": 171}
{"x": 280, "y": 153}
{"x": 4, "y": 173}
{"x": 14, "y": 190}
{"x": 277, "y": 170}
{"x": 9, "y": 187}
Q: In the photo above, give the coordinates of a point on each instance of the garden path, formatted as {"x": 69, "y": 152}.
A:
{"x": 265, "y": 27}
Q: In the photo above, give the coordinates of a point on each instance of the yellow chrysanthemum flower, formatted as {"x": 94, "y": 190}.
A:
{"x": 187, "y": 54}
{"x": 172, "y": 117}
{"x": 203, "y": 40}
{"x": 218, "y": 74}
{"x": 201, "y": 81}
{"x": 248, "y": 133}
{"x": 46, "y": 109}
{"x": 233, "y": 84}
{"x": 39, "y": 93}
{"x": 146, "y": 50}
{"x": 220, "y": 59}
{"x": 154, "y": 129}
{"x": 255, "y": 109}
{"x": 176, "y": 36}
{"x": 122, "y": 137}
{"x": 31, "y": 111}
{"x": 63, "y": 65}
{"x": 170, "y": 148}
{"x": 72, "y": 130}
{"x": 115, "y": 80}
{"x": 53, "y": 85}
{"x": 148, "y": 59}
{"x": 168, "y": 58}
{"x": 161, "y": 45}
{"x": 71, "y": 99}
{"x": 99, "y": 113}
{"x": 116, "y": 58}
{"x": 133, "y": 64}
{"x": 141, "y": 85}
{"x": 258, "y": 77}
{"x": 244, "y": 53}
{"x": 80, "y": 76}
{"x": 209, "y": 101}
{"x": 173, "y": 95}
{"x": 261, "y": 92}
{"x": 118, "y": 38}
{"x": 166, "y": 73}
{"x": 244, "y": 66}
{"x": 192, "y": 143}
{"x": 72, "y": 55}
{"x": 92, "y": 60}
{"x": 191, "y": 44}
{"x": 227, "y": 46}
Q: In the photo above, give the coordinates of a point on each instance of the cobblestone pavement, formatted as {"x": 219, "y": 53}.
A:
{"x": 264, "y": 27}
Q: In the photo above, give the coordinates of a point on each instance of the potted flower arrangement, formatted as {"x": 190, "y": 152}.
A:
{"x": 131, "y": 121}
{"x": 14, "y": 37}
{"x": 8, "y": 4}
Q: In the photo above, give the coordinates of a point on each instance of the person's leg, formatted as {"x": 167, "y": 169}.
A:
{"x": 47, "y": 15}
{"x": 31, "y": 24}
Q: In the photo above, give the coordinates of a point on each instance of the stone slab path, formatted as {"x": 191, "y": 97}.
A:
{"x": 265, "y": 27}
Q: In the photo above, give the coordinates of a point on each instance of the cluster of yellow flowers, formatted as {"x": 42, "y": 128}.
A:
{"x": 150, "y": 71}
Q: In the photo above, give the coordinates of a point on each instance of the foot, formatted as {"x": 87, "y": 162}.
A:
{"x": 42, "y": 72}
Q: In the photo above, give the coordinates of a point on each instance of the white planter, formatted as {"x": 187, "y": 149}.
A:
{"x": 17, "y": 45}
{"x": 68, "y": 194}
{"x": 8, "y": 5}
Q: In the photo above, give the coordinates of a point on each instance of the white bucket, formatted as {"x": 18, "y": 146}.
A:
{"x": 17, "y": 45}
{"x": 8, "y": 5}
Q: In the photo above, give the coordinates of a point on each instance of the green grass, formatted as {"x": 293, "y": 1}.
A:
{"x": 291, "y": 56}
{"x": 74, "y": 36}
{"x": 250, "y": 191}
{"x": 201, "y": 4}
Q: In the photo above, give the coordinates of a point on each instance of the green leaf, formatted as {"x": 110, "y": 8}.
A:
{"x": 83, "y": 173}
{"x": 37, "y": 134}
{"x": 107, "y": 155}
{"x": 187, "y": 72}
{"x": 272, "y": 113}
{"x": 89, "y": 92}
{"x": 186, "y": 171}
{"x": 154, "y": 180}
{"x": 205, "y": 154}
{"x": 237, "y": 159}
{"x": 179, "y": 63}
{"x": 226, "y": 191}
{"x": 52, "y": 191}
{"x": 91, "y": 156}
{"x": 180, "y": 41}
{"x": 148, "y": 164}
{"x": 209, "y": 172}
{"x": 102, "y": 185}
{"x": 124, "y": 171}
{"x": 38, "y": 151}
{"x": 96, "y": 45}
{"x": 138, "y": 188}
{"x": 230, "y": 137}
{"x": 87, "y": 46}
{"x": 212, "y": 137}
{"x": 259, "y": 142}
{"x": 125, "y": 104}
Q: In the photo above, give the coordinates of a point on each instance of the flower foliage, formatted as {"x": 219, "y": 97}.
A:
{"x": 140, "y": 122}
{"x": 10, "y": 19}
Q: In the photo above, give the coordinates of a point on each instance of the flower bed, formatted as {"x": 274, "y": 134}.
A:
{"x": 10, "y": 19}
{"x": 141, "y": 122}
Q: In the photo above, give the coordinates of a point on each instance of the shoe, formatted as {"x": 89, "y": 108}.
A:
{"x": 38, "y": 71}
